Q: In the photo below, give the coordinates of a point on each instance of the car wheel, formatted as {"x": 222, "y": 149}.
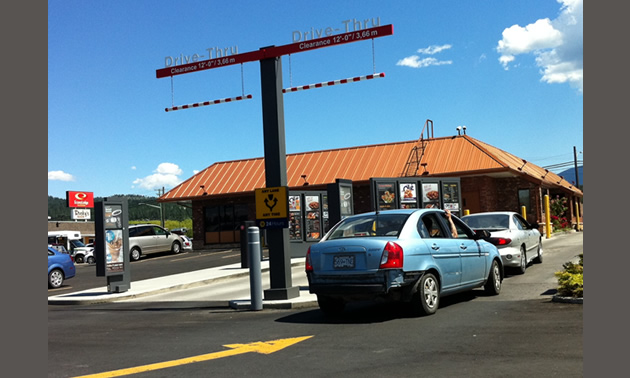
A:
{"x": 78, "y": 259}
{"x": 539, "y": 257}
{"x": 493, "y": 285}
{"x": 330, "y": 306}
{"x": 134, "y": 255}
{"x": 91, "y": 260}
{"x": 55, "y": 278}
{"x": 521, "y": 269}
{"x": 176, "y": 248}
{"x": 427, "y": 297}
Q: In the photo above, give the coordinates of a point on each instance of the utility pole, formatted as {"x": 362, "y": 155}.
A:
{"x": 577, "y": 178}
{"x": 160, "y": 194}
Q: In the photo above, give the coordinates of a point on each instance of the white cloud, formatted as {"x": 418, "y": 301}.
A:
{"x": 166, "y": 175}
{"x": 195, "y": 171}
{"x": 415, "y": 61}
{"x": 60, "y": 176}
{"x": 434, "y": 49}
{"x": 133, "y": 167}
{"x": 557, "y": 45}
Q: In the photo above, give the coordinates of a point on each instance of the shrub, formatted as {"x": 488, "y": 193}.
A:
{"x": 558, "y": 209}
{"x": 571, "y": 279}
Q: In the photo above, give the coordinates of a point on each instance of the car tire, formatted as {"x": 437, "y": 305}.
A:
{"x": 539, "y": 252}
{"x": 493, "y": 284}
{"x": 134, "y": 254}
{"x": 91, "y": 260}
{"x": 176, "y": 248}
{"x": 55, "y": 278}
{"x": 79, "y": 259}
{"x": 521, "y": 269}
{"x": 426, "y": 300}
{"x": 330, "y": 306}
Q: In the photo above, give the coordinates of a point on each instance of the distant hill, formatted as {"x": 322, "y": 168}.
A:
{"x": 569, "y": 175}
{"x": 58, "y": 211}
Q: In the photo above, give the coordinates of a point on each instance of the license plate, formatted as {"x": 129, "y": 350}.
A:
{"x": 343, "y": 262}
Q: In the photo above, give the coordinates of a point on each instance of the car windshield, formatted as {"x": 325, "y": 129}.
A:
{"x": 489, "y": 221}
{"x": 370, "y": 225}
{"x": 77, "y": 243}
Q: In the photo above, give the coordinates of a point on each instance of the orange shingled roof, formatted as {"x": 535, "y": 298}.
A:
{"x": 454, "y": 156}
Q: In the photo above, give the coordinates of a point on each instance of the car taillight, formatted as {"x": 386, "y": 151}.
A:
{"x": 308, "y": 265}
{"x": 392, "y": 256}
{"x": 500, "y": 241}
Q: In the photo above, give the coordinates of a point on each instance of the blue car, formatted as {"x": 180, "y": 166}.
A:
{"x": 409, "y": 255}
{"x": 60, "y": 267}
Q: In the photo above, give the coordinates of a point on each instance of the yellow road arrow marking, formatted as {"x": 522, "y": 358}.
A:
{"x": 264, "y": 347}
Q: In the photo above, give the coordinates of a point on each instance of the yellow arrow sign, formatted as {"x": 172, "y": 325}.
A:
{"x": 264, "y": 347}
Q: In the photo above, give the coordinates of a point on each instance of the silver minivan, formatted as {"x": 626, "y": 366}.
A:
{"x": 145, "y": 239}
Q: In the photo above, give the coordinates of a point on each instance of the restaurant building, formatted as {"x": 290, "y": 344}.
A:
{"x": 456, "y": 172}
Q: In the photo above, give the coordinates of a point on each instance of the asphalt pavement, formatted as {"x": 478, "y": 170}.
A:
{"x": 225, "y": 286}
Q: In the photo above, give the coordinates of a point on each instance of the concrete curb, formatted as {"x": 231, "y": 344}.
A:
{"x": 560, "y": 299}
{"x": 183, "y": 281}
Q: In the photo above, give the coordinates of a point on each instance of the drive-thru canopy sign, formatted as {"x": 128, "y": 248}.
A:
{"x": 276, "y": 51}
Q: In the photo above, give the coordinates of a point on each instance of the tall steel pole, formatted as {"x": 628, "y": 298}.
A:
{"x": 276, "y": 175}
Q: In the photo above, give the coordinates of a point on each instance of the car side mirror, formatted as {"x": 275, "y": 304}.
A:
{"x": 534, "y": 225}
{"x": 482, "y": 234}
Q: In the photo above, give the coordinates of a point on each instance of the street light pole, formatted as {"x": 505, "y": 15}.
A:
{"x": 157, "y": 207}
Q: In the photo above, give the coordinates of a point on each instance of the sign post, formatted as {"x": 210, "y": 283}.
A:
{"x": 273, "y": 131}
{"x": 276, "y": 176}
{"x": 111, "y": 222}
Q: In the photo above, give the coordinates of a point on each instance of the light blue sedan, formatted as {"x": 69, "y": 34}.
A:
{"x": 405, "y": 255}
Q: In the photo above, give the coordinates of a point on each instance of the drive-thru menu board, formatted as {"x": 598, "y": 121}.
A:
{"x": 430, "y": 195}
{"x": 408, "y": 195}
{"x": 414, "y": 192}
{"x": 386, "y": 192}
{"x": 295, "y": 218}
{"x": 450, "y": 197}
{"x": 312, "y": 218}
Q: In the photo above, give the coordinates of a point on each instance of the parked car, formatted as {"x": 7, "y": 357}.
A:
{"x": 186, "y": 243}
{"x": 391, "y": 255}
{"x": 59, "y": 247}
{"x": 60, "y": 267}
{"x": 518, "y": 241}
{"x": 84, "y": 255}
{"x": 145, "y": 239}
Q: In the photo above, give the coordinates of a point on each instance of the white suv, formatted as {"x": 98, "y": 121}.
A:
{"x": 145, "y": 239}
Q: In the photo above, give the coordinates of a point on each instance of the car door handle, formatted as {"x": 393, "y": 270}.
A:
{"x": 435, "y": 247}
{"x": 463, "y": 246}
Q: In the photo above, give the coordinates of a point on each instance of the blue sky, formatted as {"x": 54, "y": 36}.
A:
{"x": 510, "y": 71}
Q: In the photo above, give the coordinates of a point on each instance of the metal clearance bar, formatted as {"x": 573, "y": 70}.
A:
{"x": 205, "y": 103}
{"x": 275, "y": 51}
{"x": 334, "y": 82}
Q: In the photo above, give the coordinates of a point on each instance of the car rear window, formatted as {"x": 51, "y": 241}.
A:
{"x": 490, "y": 221}
{"x": 369, "y": 225}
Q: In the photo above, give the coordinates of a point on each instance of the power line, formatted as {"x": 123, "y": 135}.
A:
{"x": 562, "y": 165}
